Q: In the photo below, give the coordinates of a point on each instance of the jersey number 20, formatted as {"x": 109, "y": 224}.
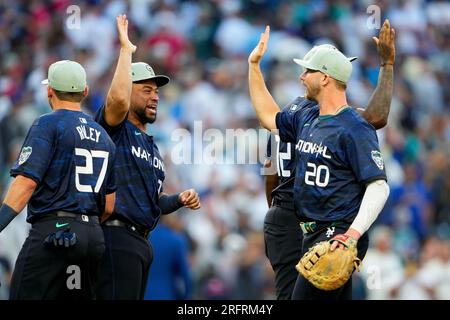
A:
{"x": 318, "y": 175}
{"x": 89, "y": 168}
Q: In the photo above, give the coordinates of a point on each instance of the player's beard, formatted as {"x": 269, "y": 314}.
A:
{"x": 143, "y": 117}
{"x": 312, "y": 92}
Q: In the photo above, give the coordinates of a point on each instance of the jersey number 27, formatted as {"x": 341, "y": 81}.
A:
{"x": 89, "y": 168}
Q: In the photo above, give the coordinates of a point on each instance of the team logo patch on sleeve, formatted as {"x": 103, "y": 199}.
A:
{"x": 25, "y": 154}
{"x": 378, "y": 159}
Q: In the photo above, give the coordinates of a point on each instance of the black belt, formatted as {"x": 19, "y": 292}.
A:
{"x": 313, "y": 226}
{"x": 285, "y": 204}
{"x": 65, "y": 214}
{"x": 143, "y": 232}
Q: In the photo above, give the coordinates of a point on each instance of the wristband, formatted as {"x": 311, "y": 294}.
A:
{"x": 7, "y": 214}
{"x": 169, "y": 204}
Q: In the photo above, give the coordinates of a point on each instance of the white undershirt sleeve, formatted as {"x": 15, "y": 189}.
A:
{"x": 372, "y": 203}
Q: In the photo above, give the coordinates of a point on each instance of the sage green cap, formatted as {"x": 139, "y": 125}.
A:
{"x": 66, "y": 76}
{"x": 328, "y": 59}
{"x": 142, "y": 71}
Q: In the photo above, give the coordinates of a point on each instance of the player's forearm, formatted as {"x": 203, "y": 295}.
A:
{"x": 119, "y": 94}
{"x": 19, "y": 193}
{"x": 109, "y": 206}
{"x": 265, "y": 106}
{"x": 271, "y": 182}
{"x": 169, "y": 203}
{"x": 372, "y": 203}
{"x": 379, "y": 105}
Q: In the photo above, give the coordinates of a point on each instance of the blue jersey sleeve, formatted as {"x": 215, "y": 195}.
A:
{"x": 100, "y": 118}
{"x": 36, "y": 153}
{"x": 287, "y": 126}
{"x": 363, "y": 153}
{"x": 294, "y": 116}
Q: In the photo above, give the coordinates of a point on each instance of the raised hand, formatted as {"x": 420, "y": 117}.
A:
{"x": 190, "y": 199}
{"x": 261, "y": 47}
{"x": 386, "y": 44}
{"x": 122, "y": 28}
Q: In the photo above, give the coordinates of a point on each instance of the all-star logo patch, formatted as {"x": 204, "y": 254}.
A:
{"x": 25, "y": 154}
{"x": 378, "y": 159}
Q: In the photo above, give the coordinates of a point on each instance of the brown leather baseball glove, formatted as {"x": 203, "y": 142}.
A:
{"x": 329, "y": 270}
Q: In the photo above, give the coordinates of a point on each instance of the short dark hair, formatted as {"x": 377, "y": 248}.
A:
{"x": 69, "y": 96}
{"x": 340, "y": 85}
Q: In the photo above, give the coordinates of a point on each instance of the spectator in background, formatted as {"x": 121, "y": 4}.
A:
{"x": 434, "y": 272}
{"x": 251, "y": 277}
{"x": 382, "y": 269}
{"x": 412, "y": 202}
{"x": 428, "y": 278}
{"x": 166, "y": 46}
{"x": 211, "y": 81}
{"x": 170, "y": 277}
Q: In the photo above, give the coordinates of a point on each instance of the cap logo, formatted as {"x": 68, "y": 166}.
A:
{"x": 324, "y": 67}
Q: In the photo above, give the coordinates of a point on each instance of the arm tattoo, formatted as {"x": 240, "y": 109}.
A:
{"x": 379, "y": 105}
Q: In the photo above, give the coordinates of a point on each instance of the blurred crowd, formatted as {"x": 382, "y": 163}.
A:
{"x": 203, "y": 46}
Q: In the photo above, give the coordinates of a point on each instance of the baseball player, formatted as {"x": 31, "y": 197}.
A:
{"x": 131, "y": 104}
{"x": 64, "y": 173}
{"x": 340, "y": 184}
{"x": 282, "y": 233}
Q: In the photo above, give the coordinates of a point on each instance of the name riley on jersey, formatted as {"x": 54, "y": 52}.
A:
{"x": 88, "y": 133}
{"x": 311, "y": 148}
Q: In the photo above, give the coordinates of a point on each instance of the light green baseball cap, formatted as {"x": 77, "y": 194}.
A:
{"x": 66, "y": 76}
{"x": 328, "y": 59}
{"x": 142, "y": 71}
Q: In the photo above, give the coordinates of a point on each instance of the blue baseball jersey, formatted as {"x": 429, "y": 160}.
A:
{"x": 336, "y": 157}
{"x": 284, "y": 156}
{"x": 71, "y": 158}
{"x": 139, "y": 173}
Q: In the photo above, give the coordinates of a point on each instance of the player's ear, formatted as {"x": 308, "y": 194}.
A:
{"x": 49, "y": 92}
{"x": 325, "y": 79}
{"x": 86, "y": 92}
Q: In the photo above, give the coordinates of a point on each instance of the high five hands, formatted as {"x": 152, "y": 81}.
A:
{"x": 261, "y": 48}
{"x": 386, "y": 44}
{"x": 122, "y": 28}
